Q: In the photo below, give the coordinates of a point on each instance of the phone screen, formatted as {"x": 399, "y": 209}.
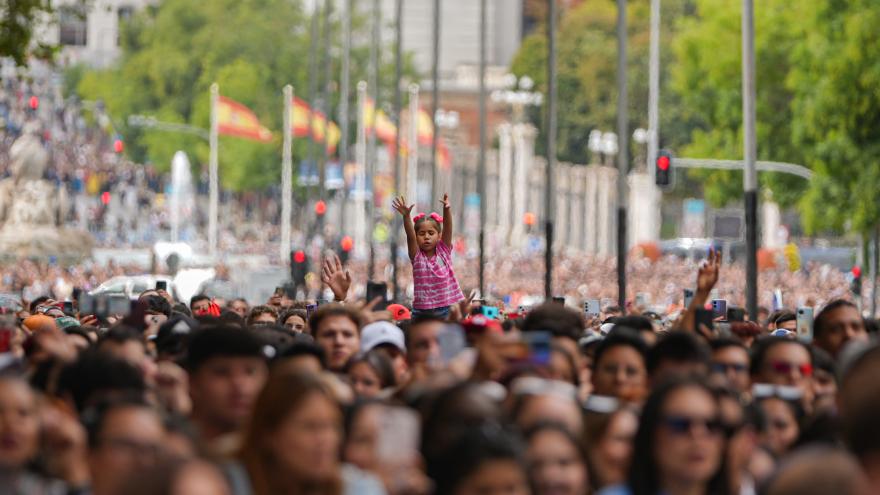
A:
{"x": 378, "y": 289}
{"x": 398, "y": 436}
{"x": 162, "y": 285}
{"x": 704, "y": 317}
{"x": 451, "y": 341}
{"x": 805, "y": 324}
{"x": 489, "y": 312}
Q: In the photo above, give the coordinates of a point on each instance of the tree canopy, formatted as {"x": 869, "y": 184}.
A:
{"x": 817, "y": 70}
{"x": 251, "y": 48}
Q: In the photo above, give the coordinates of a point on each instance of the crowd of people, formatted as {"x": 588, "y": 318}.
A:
{"x": 435, "y": 394}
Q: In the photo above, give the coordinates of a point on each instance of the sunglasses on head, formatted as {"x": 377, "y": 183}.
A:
{"x": 785, "y": 368}
{"x": 681, "y": 425}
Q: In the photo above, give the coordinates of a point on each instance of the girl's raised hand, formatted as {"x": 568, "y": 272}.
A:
{"x": 399, "y": 204}
{"x": 445, "y": 201}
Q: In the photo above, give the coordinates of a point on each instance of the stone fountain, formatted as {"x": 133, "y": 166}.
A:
{"x": 29, "y": 206}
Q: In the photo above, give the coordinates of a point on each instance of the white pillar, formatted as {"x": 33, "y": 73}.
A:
{"x": 562, "y": 220}
{"x": 361, "y": 242}
{"x": 523, "y": 159}
{"x": 644, "y": 209}
{"x": 286, "y": 172}
{"x": 505, "y": 178}
{"x": 577, "y": 220}
{"x": 213, "y": 186}
{"x": 591, "y": 209}
{"x": 770, "y": 225}
{"x": 607, "y": 210}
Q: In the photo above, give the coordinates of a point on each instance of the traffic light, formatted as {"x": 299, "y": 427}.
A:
{"x": 299, "y": 266}
{"x": 34, "y": 103}
{"x": 320, "y": 208}
{"x": 105, "y": 198}
{"x": 663, "y": 172}
{"x": 856, "y": 280}
{"x": 346, "y": 244}
{"x": 118, "y": 146}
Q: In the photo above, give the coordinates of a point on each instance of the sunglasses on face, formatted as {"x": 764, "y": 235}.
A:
{"x": 682, "y": 425}
{"x": 785, "y": 368}
{"x": 725, "y": 367}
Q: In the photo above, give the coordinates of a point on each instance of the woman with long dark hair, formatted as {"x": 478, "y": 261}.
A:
{"x": 679, "y": 447}
{"x": 292, "y": 443}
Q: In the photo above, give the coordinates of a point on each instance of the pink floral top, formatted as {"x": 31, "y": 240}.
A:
{"x": 434, "y": 282}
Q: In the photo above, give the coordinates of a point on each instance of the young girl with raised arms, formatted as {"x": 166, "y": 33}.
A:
{"x": 429, "y": 241}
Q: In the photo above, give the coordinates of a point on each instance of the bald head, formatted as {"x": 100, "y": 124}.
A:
{"x": 819, "y": 471}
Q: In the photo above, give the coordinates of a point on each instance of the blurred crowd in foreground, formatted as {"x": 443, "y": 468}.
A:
{"x": 354, "y": 397}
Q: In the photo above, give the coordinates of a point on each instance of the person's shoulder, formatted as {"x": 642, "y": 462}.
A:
{"x": 616, "y": 490}
{"x": 442, "y": 246}
{"x": 358, "y": 482}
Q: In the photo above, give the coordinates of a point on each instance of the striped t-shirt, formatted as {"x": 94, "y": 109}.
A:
{"x": 434, "y": 283}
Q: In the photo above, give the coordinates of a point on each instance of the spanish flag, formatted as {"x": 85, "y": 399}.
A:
{"x": 299, "y": 121}
{"x": 235, "y": 119}
{"x": 425, "y": 128}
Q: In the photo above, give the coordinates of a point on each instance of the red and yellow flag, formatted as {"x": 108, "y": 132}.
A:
{"x": 235, "y": 119}
{"x": 424, "y": 127}
{"x": 299, "y": 120}
{"x": 385, "y": 129}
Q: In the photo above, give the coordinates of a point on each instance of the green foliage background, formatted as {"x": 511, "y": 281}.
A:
{"x": 251, "y": 48}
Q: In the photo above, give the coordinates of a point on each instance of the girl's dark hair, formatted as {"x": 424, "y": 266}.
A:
{"x": 427, "y": 218}
{"x": 644, "y": 478}
{"x": 477, "y": 446}
{"x": 379, "y": 362}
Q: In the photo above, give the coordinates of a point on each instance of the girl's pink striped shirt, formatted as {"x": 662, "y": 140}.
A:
{"x": 434, "y": 282}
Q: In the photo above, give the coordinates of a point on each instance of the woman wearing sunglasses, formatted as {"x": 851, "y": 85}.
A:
{"x": 679, "y": 447}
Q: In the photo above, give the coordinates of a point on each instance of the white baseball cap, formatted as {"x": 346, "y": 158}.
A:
{"x": 381, "y": 332}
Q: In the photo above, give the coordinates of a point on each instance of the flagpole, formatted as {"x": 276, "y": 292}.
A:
{"x": 343, "y": 109}
{"x": 371, "y": 153}
{"x": 286, "y": 174}
{"x": 360, "y": 197}
{"x": 398, "y": 68}
{"x": 212, "y": 171}
{"x": 412, "y": 168}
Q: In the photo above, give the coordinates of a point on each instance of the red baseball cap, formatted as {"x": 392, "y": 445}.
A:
{"x": 480, "y": 323}
{"x": 399, "y": 312}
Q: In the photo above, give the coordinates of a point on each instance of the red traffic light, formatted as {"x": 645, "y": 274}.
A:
{"x": 529, "y": 219}
{"x": 856, "y": 271}
{"x": 347, "y": 243}
{"x": 34, "y": 103}
{"x": 663, "y": 162}
{"x": 105, "y": 198}
{"x": 299, "y": 257}
{"x": 118, "y": 146}
{"x": 320, "y": 207}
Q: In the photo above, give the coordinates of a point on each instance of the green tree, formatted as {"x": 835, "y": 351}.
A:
{"x": 17, "y": 21}
{"x": 174, "y": 52}
{"x": 837, "y": 113}
{"x": 707, "y": 77}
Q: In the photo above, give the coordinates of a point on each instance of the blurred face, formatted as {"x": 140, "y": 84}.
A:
{"x": 264, "y": 318}
{"x": 201, "y": 306}
{"x": 824, "y": 388}
{"x": 556, "y": 465}
{"x": 307, "y": 442}
{"x": 339, "y": 337}
{"x": 560, "y": 367}
{"x": 689, "y": 439}
{"x": 787, "y": 364}
{"x": 223, "y": 391}
{"x": 240, "y": 307}
{"x": 423, "y": 343}
{"x": 782, "y": 426}
{"x": 129, "y": 442}
{"x": 199, "y": 478}
{"x": 296, "y": 324}
{"x": 360, "y": 447}
{"x": 495, "y": 477}
{"x": 549, "y": 407}
{"x": 620, "y": 373}
{"x": 841, "y": 325}
{"x": 733, "y": 363}
{"x": 19, "y": 425}
{"x": 364, "y": 380}
{"x": 428, "y": 235}
{"x": 612, "y": 454}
